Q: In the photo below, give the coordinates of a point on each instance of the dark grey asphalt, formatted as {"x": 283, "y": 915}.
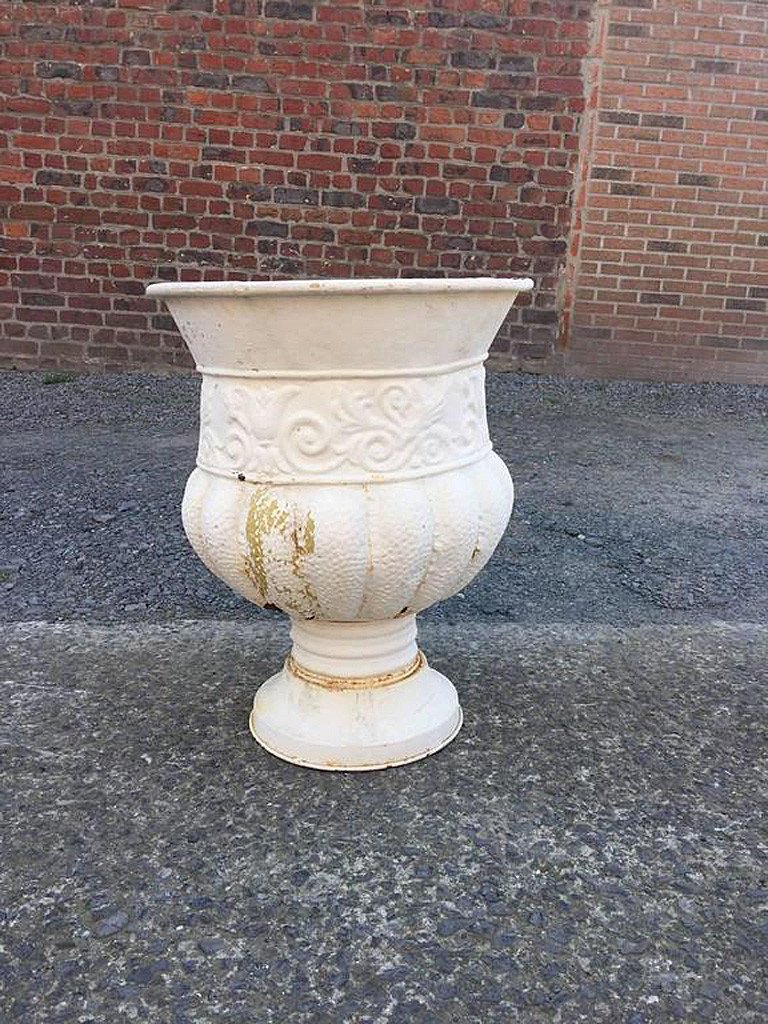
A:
{"x": 589, "y": 850}
{"x": 636, "y": 503}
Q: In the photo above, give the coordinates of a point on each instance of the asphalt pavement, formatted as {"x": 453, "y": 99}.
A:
{"x": 592, "y": 846}
{"x": 636, "y": 503}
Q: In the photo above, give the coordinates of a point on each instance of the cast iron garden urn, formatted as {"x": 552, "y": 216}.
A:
{"x": 345, "y": 476}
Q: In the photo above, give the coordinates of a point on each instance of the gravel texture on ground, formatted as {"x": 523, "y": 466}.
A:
{"x": 635, "y": 503}
{"x": 589, "y": 850}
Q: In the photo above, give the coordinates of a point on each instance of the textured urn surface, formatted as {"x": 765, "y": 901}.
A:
{"x": 345, "y": 473}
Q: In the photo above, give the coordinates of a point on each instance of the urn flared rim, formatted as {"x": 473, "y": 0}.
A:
{"x": 340, "y": 286}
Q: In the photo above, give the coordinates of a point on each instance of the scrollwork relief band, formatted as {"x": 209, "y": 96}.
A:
{"x": 342, "y": 430}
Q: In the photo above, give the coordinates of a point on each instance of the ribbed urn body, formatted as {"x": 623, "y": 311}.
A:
{"x": 383, "y": 494}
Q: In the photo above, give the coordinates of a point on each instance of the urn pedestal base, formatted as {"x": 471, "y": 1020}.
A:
{"x": 355, "y": 696}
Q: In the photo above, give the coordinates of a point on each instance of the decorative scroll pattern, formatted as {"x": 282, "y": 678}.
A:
{"x": 342, "y": 430}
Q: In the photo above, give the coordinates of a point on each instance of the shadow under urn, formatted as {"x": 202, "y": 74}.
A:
{"x": 345, "y": 475}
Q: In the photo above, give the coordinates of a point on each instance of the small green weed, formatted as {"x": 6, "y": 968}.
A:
{"x": 59, "y": 377}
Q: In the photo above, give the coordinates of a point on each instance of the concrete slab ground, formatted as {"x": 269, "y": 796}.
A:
{"x": 591, "y": 848}
{"x": 588, "y": 849}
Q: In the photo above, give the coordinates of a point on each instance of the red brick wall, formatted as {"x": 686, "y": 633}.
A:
{"x": 669, "y": 270}
{"x": 158, "y": 139}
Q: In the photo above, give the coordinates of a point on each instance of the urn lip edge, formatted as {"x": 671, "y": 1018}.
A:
{"x": 338, "y": 286}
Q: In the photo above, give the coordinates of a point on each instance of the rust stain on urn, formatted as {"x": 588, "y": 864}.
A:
{"x": 264, "y": 517}
{"x": 268, "y": 518}
{"x": 356, "y": 682}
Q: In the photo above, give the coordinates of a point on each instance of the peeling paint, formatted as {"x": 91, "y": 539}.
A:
{"x": 366, "y": 683}
{"x": 264, "y": 517}
{"x": 295, "y": 541}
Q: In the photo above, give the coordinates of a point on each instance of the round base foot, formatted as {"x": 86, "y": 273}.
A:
{"x": 355, "y": 729}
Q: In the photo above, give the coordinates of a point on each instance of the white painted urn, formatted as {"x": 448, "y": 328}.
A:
{"x": 345, "y": 475}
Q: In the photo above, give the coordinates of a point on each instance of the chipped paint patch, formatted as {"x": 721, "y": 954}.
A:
{"x": 277, "y": 540}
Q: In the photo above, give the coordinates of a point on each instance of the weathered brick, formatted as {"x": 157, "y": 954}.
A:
{"x": 344, "y": 200}
{"x": 662, "y": 121}
{"x": 106, "y": 72}
{"x": 489, "y": 22}
{"x": 297, "y": 196}
{"x": 75, "y": 108}
{"x": 42, "y": 299}
{"x": 750, "y": 304}
{"x": 702, "y": 180}
{"x": 210, "y": 80}
{"x": 245, "y": 190}
{"x": 58, "y": 69}
{"x": 362, "y": 164}
{"x": 659, "y": 299}
{"x": 293, "y": 11}
{"x": 541, "y": 316}
{"x": 224, "y": 154}
{"x": 200, "y": 6}
{"x": 715, "y": 67}
{"x": 611, "y": 173}
{"x": 473, "y": 59}
{"x": 41, "y": 33}
{"x": 497, "y": 100}
{"x": 619, "y": 117}
{"x": 655, "y": 245}
{"x": 152, "y": 184}
{"x": 627, "y": 31}
{"x": 65, "y": 178}
{"x": 136, "y": 58}
{"x": 514, "y": 119}
{"x": 442, "y": 19}
{"x": 386, "y": 17}
{"x": 251, "y": 83}
{"x": 113, "y": 184}
{"x": 437, "y": 205}
{"x": 461, "y": 242}
{"x": 619, "y": 188}
{"x": 517, "y": 65}
{"x": 341, "y": 127}
{"x": 398, "y": 130}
